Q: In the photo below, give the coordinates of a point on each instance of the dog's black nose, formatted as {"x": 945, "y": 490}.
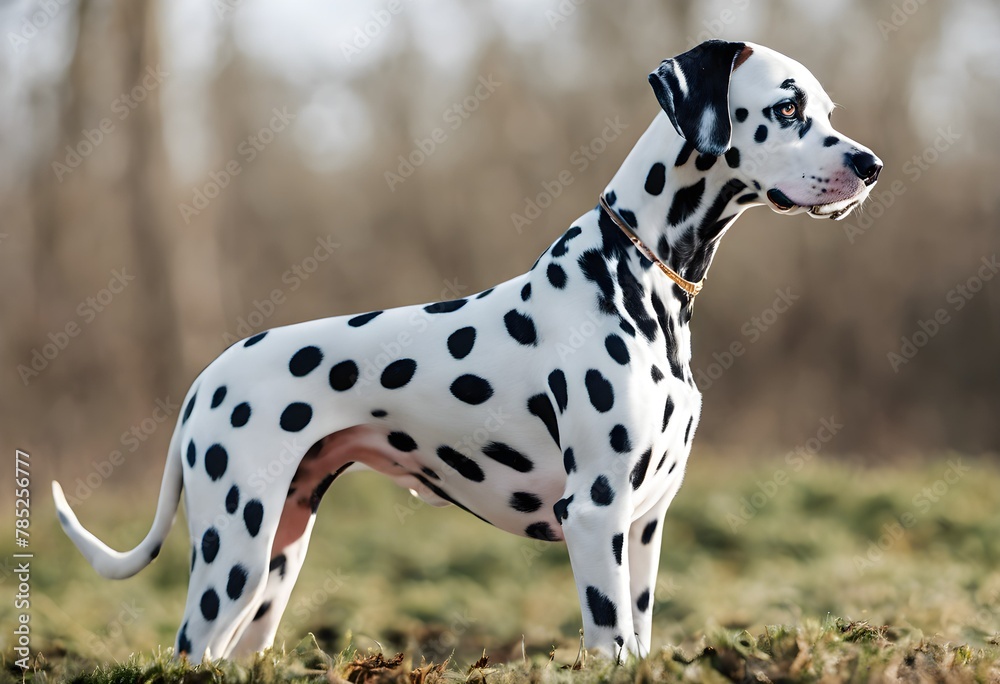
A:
{"x": 864, "y": 164}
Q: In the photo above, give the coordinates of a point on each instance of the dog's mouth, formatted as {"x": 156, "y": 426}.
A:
{"x": 834, "y": 210}
{"x": 831, "y": 210}
{"x": 780, "y": 200}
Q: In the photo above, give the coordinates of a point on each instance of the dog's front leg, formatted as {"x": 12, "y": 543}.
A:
{"x": 644, "y": 540}
{"x": 595, "y": 525}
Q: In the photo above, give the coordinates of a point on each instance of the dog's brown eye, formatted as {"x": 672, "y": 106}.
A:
{"x": 787, "y": 109}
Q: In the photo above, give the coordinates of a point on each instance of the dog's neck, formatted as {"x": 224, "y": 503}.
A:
{"x": 682, "y": 222}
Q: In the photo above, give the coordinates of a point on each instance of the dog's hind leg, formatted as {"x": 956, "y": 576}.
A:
{"x": 260, "y": 626}
{"x": 288, "y": 552}
{"x": 233, "y": 520}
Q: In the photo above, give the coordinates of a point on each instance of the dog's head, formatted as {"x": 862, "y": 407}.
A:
{"x": 770, "y": 118}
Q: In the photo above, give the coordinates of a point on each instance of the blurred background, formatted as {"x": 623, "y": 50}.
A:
{"x": 178, "y": 175}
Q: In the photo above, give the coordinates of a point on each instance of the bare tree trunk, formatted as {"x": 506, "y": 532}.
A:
{"x": 50, "y": 283}
{"x": 145, "y": 171}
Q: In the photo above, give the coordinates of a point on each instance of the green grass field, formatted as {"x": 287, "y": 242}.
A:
{"x": 827, "y": 572}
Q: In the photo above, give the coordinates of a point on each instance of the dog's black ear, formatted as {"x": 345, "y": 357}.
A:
{"x": 693, "y": 89}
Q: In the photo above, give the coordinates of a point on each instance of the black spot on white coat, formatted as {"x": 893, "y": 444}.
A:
{"x": 508, "y": 456}
{"x": 541, "y": 407}
{"x": 602, "y": 395}
{"x": 642, "y": 603}
{"x": 656, "y": 178}
{"x": 471, "y": 389}
{"x": 209, "y": 605}
{"x": 668, "y": 410}
{"x": 639, "y": 470}
{"x": 602, "y": 608}
{"x": 361, "y": 320}
{"x": 254, "y": 340}
{"x": 561, "y": 245}
{"x": 278, "y": 563}
{"x": 295, "y": 417}
{"x": 557, "y": 385}
{"x": 343, "y": 375}
{"x": 461, "y": 463}
{"x": 601, "y": 492}
{"x": 686, "y": 201}
{"x": 556, "y": 275}
{"x": 216, "y": 460}
{"x": 619, "y": 439}
{"x": 648, "y": 531}
{"x": 445, "y": 307}
{"x": 399, "y": 373}
{"x": 240, "y": 415}
{"x": 569, "y": 461}
{"x": 524, "y": 502}
{"x": 402, "y": 442}
{"x": 561, "y": 509}
{"x": 210, "y": 544}
{"x": 461, "y": 341}
{"x": 617, "y": 349}
{"x": 189, "y": 408}
{"x": 253, "y": 516}
{"x": 521, "y": 328}
{"x": 305, "y": 361}
{"x": 542, "y": 531}
{"x": 237, "y": 582}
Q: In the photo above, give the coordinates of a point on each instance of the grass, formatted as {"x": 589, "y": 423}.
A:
{"x": 831, "y": 573}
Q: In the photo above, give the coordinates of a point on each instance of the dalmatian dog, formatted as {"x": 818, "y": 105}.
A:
{"x": 482, "y": 402}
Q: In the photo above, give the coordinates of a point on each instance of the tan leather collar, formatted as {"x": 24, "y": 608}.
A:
{"x": 690, "y": 288}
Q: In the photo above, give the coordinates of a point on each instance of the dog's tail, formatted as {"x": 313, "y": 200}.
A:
{"x": 116, "y": 564}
